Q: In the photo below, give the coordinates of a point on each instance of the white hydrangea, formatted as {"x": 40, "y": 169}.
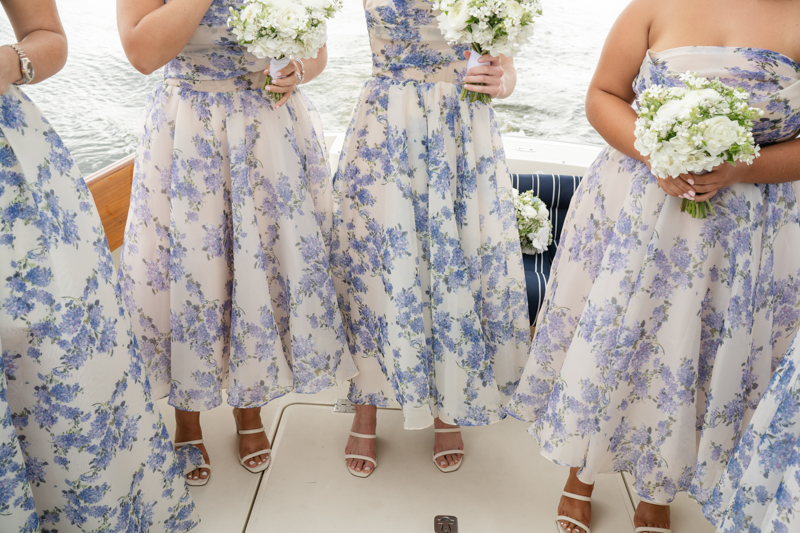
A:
{"x": 695, "y": 128}
{"x": 533, "y": 223}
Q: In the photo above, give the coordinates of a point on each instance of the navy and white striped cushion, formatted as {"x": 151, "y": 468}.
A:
{"x": 556, "y": 192}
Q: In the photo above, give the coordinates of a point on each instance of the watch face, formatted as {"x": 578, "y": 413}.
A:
{"x": 29, "y": 70}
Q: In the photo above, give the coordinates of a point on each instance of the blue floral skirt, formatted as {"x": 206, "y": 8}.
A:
{"x": 426, "y": 255}
{"x": 760, "y": 490}
{"x": 225, "y": 267}
{"x": 82, "y": 446}
{"x": 659, "y": 332}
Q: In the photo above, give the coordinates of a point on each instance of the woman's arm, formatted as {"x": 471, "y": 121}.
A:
{"x": 287, "y": 84}
{"x": 41, "y": 36}
{"x": 498, "y": 74}
{"x": 153, "y": 32}
{"x": 610, "y": 94}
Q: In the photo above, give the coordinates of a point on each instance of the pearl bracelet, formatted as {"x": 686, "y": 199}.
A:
{"x": 302, "y": 73}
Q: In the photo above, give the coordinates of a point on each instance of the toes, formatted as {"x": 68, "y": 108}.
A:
{"x": 367, "y": 467}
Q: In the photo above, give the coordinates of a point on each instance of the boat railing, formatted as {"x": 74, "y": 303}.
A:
{"x": 111, "y": 190}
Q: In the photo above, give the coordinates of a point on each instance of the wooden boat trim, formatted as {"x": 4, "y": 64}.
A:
{"x": 111, "y": 190}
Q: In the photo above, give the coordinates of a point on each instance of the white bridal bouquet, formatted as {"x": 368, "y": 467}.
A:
{"x": 489, "y": 26}
{"x": 533, "y": 222}
{"x": 695, "y": 128}
{"x": 283, "y": 29}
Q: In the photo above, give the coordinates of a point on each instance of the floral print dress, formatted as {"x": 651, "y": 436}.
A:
{"x": 225, "y": 267}
{"x": 760, "y": 490}
{"x": 426, "y": 252}
{"x": 659, "y": 332}
{"x": 82, "y": 445}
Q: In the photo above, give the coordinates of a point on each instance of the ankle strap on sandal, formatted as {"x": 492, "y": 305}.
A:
{"x": 362, "y": 436}
{"x": 251, "y": 431}
{"x": 447, "y": 430}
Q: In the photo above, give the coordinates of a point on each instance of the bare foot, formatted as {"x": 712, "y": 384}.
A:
{"x": 251, "y": 419}
{"x": 187, "y": 428}
{"x": 365, "y": 422}
{"x": 447, "y": 441}
{"x": 649, "y": 515}
{"x": 578, "y": 510}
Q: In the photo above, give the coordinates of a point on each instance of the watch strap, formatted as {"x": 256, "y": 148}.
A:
{"x": 24, "y": 64}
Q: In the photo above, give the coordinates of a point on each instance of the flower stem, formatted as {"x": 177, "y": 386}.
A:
{"x": 276, "y": 97}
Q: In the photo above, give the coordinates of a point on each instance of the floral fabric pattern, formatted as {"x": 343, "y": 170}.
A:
{"x": 225, "y": 267}
{"x": 82, "y": 446}
{"x": 760, "y": 490}
{"x": 659, "y": 332}
{"x": 426, "y": 253}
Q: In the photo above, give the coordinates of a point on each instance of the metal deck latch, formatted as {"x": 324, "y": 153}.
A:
{"x": 445, "y": 524}
{"x": 343, "y": 405}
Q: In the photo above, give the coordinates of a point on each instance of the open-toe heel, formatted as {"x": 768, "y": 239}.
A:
{"x": 266, "y": 451}
{"x": 448, "y": 468}
{"x": 652, "y": 529}
{"x": 361, "y": 457}
{"x": 562, "y": 518}
{"x": 203, "y": 465}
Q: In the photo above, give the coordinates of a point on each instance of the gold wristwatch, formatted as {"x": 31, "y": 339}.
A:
{"x": 25, "y": 65}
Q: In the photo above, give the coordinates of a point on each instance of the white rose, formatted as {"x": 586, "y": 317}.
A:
{"x": 542, "y": 211}
{"x": 290, "y": 18}
{"x": 458, "y": 15}
{"x": 514, "y": 10}
{"x": 250, "y": 12}
{"x": 539, "y": 238}
{"x": 720, "y": 134}
{"x": 528, "y": 211}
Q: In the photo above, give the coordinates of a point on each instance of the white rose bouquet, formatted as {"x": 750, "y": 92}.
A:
{"x": 489, "y": 26}
{"x": 283, "y": 29}
{"x": 695, "y": 128}
{"x": 533, "y": 222}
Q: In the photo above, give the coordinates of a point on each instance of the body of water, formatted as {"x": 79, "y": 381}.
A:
{"x": 96, "y": 102}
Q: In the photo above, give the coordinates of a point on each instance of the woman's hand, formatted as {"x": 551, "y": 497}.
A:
{"x": 680, "y": 187}
{"x": 290, "y": 77}
{"x": 722, "y": 176}
{"x": 492, "y": 73}
{"x": 702, "y": 187}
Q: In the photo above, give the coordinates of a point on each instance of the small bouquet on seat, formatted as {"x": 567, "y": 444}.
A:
{"x": 695, "y": 128}
{"x": 283, "y": 29}
{"x": 533, "y": 222}
{"x": 489, "y": 26}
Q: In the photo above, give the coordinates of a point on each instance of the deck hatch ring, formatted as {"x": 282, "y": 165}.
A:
{"x": 445, "y": 524}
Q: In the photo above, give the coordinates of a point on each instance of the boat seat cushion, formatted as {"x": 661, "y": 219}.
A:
{"x": 556, "y": 192}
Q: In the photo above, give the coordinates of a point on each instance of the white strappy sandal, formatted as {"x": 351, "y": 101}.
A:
{"x": 194, "y": 482}
{"x": 652, "y": 529}
{"x": 362, "y": 457}
{"x": 561, "y": 518}
{"x": 266, "y": 451}
{"x": 448, "y": 468}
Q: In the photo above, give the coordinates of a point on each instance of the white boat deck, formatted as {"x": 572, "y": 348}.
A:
{"x": 504, "y": 484}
